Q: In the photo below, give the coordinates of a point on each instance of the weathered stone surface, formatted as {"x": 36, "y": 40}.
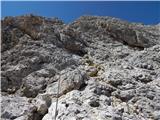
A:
{"x": 131, "y": 34}
{"x": 107, "y": 69}
{"x": 36, "y": 82}
{"x": 69, "y": 80}
{"x": 15, "y": 107}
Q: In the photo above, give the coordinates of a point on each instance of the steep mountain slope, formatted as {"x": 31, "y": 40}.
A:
{"x": 107, "y": 69}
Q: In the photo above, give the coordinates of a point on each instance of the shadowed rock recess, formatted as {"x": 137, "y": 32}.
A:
{"x": 109, "y": 69}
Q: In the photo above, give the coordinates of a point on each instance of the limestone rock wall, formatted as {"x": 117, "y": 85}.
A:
{"x": 108, "y": 69}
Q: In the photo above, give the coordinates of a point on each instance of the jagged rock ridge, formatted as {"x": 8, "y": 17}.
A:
{"x": 108, "y": 69}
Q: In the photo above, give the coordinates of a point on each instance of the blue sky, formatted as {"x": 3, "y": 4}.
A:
{"x": 144, "y": 12}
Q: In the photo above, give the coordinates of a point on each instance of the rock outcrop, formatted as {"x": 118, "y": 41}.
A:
{"x": 106, "y": 69}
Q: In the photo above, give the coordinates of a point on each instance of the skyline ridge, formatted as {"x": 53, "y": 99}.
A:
{"x": 132, "y": 11}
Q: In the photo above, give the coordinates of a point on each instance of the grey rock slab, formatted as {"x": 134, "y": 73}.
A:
{"x": 15, "y": 106}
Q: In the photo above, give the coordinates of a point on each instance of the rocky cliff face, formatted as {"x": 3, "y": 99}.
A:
{"x": 107, "y": 69}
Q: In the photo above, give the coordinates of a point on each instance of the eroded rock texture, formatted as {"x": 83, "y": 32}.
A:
{"x": 107, "y": 69}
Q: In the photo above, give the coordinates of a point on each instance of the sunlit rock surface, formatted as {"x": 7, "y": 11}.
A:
{"x": 107, "y": 69}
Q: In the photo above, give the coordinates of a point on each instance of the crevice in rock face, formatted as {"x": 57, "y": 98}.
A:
{"x": 94, "y": 103}
{"x": 125, "y": 43}
{"x": 66, "y": 105}
{"x": 44, "y": 88}
{"x": 82, "y": 87}
{"x": 136, "y": 48}
{"x": 81, "y": 53}
{"x": 37, "y": 116}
